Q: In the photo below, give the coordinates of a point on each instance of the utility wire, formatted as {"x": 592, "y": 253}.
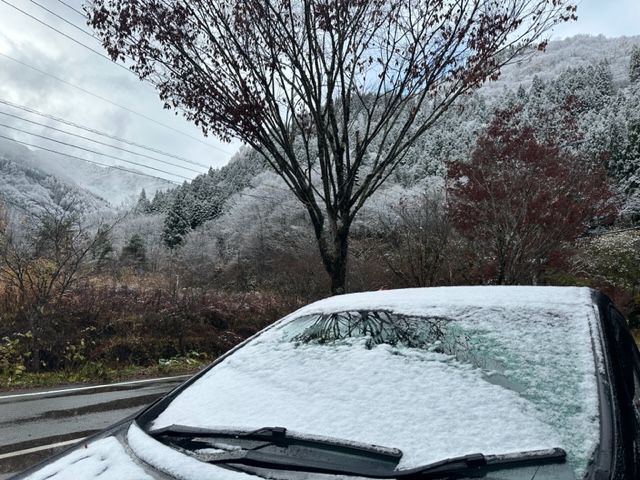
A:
{"x": 72, "y": 85}
{"x": 115, "y": 167}
{"x": 93, "y": 151}
{"x": 73, "y": 8}
{"x": 110, "y": 102}
{"x": 66, "y": 36}
{"x": 97, "y": 141}
{"x": 91, "y": 93}
{"x": 97, "y": 132}
{"x": 64, "y": 20}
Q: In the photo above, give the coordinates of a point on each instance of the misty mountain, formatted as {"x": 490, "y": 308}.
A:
{"x": 26, "y": 187}
{"x": 26, "y": 174}
{"x": 567, "y": 66}
{"x": 573, "y": 52}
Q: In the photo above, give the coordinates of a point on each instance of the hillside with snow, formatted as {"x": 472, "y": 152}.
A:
{"x": 451, "y": 139}
{"x": 574, "y": 52}
{"x": 23, "y": 172}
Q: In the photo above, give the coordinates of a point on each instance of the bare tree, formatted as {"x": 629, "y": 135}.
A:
{"x": 331, "y": 92}
{"x": 43, "y": 254}
{"x": 416, "y": 235}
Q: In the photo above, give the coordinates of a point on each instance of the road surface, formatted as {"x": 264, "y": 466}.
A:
{"x": 37, "y": 423}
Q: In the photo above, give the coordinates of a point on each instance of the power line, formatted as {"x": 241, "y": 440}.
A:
{"x": 64, "y": 20}
{"x": 97, "y": 141}
{"x": 115, "y": 167}
{"x": 66, "y": 36}
{"x": 73, "y": 8}
{"x": 87, "y": 91}
{"x": 110, "y": 102}
{"x": 98, "y": 132}
{"x": 93, "y": 151}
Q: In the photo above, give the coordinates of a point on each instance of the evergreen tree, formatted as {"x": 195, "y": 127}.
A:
{"x": 634, "y": 64}
{"x": 144, "y": 205}
{"x": 134, "y": 253}
{"x": 623, "y": 150}
{"x": 162, "y": 201}
{"x": 592, "y": 86}
{"x": 632, "y": 154}
{"x": 176, "y": 224}
{"x": 102, "y": 250}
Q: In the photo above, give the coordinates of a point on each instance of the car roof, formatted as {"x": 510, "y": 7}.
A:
{"x": 417, "y": 300}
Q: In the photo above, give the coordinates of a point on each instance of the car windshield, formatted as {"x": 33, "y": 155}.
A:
{"x": 434, "y": 377}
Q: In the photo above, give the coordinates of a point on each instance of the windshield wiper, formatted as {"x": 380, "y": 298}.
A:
{"x": 273, "y": 448}
{"x": 466, "y": 463}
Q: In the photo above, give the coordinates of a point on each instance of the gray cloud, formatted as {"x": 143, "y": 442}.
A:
{"x": 32, "y": 43}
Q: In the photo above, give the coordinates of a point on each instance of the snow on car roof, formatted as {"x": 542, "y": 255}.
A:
{"x": 531, "y": 384}
{"x": 415, "y": 300}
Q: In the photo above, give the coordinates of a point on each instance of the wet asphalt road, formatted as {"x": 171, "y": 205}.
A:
{"x": 34, "y": 424}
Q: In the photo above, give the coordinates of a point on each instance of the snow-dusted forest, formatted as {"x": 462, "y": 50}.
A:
{"x": 582, "y": 94}
{"x": 533, "y": 179}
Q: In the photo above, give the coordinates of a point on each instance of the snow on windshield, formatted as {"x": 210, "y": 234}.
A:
{"x": 526, "y": 382}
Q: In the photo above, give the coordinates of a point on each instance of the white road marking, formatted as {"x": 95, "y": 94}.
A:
{"x": 77, "y": 389}
{"x": 40, "y": 448}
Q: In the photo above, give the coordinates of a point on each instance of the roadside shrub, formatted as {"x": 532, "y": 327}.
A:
{"x": 13, "y": 354}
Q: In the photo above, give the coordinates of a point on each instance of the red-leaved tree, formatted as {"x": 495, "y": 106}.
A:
{"x": 520, "y": 200}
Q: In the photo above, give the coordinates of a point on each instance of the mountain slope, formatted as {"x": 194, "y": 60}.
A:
{"x": 448, "y": 141}
{"x": 113, "y": 186}
{"x": 573, "y": 52}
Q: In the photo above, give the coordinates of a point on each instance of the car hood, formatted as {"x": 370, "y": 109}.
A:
{"x": 523, "y": 378}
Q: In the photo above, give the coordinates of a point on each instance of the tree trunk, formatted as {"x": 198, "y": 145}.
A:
{"x": 338, "y": 273}
{"x": 333, "y": 242}
{"x": 34, "y": 324}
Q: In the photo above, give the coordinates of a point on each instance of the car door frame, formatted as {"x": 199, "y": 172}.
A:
{"x": 617, "y": 457}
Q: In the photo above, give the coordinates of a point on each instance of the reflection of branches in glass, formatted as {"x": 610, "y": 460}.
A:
{"x": 378, "y": 327}
{"x": 435, "y": 334}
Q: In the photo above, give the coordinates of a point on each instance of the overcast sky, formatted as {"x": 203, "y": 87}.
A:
{"x": 42, "y": 70}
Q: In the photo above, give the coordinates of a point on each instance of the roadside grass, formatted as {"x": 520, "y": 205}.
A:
{"x": 106, "y": 333}
{"x": 93, "y": 372}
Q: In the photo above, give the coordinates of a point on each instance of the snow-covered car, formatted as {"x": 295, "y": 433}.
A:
{"x": 436, "y": 383}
